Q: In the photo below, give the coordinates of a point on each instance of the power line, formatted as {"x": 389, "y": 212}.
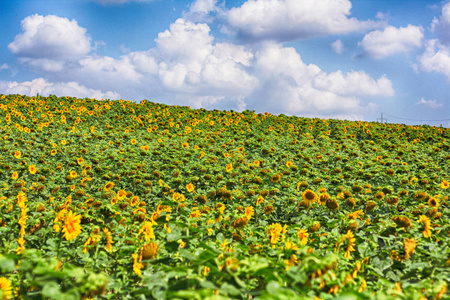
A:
{"x": 416, "y": 119}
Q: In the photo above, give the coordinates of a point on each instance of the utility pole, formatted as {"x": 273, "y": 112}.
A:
{"x": 382, "y": 119}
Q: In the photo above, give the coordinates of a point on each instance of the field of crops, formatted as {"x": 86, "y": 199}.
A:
{"x": 124, "y": 200}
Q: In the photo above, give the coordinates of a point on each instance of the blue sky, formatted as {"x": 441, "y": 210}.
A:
{"x": 314, "y": 58}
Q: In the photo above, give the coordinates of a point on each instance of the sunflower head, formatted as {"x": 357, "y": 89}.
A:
{"x": 309, "y": 196}
{"x": 370, "y": 205}
{"x": 403, "y": 222}
{"x": 332, "y": 204}
{"x": 275, "y": 178}
{"x": 433, "y": 202}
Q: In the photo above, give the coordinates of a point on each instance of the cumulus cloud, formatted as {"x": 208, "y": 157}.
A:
{"x": 288, "y": 85}
{"x": 381, "y": 44}
{"x": 354, "y": 83}
{"x": 436, "y": 58}
{"x": 441, "y": 25}
{"x": 337, "y": 47}
{"x": 430, "y": 103}
{"x": 203, "y": 11}
{"x": 43, "y": 87}
{"x": 188, "y": 61}
{"x": 186, "y": 67}
{"x": 48, "y": 42}
{"x": 284, "y": 20}
{"x": 4, "y": 67}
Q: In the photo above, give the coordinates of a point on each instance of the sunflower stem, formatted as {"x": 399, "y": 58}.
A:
{"x": 59, "y": 246}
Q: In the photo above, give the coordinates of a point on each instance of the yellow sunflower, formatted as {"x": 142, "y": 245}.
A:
{"x": 109, "y": 186}
{"x": 5, "y": 286}
{"x": 309, "y": 196}
{"x": 72, "y": 227}
{"x": 190, "y": 187}
{"x": 32, "y": 169}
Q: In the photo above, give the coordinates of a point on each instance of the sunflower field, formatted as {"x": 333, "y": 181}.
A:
{"x": 124, "y": 200}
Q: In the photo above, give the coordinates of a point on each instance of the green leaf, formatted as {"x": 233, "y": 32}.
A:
{"x": 229, "y": 289}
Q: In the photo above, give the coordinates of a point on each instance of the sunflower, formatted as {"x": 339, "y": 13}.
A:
{"x": 309, "y": 196}
{"x": 229, "y": 168}
{"x": 133, "y": 141}
{"x": 72, "y": 227}
{"x": 21, "y": 199}
{"x": 434, "y": 202}
{"x": 303, "y": 236}
{"x": 323, "y": 198}
{"x": 32, "y": 169}
{"x": 17, "y": 154}
{"x": 379, "y": 196}
{"x": 363, "y": 286}
{"x": 53, "y": 152}
{"x": 121, "y": 194}
{"x": 401, "y": 221}
{"x": 370, "y": 205}
{"x": 240, "y": 222}
{"x": 109, "y": 186}
{"x": 290, "y": 246}
{"x": 109, "y": 240}
{"x": 147, "y": 231}
{"x": 315, "y": 227}
{"x": 137, "y": 266}
{"x": 259, "y": 200}
{"x": 332, "y": 204}
{"x": 427, "y": 226}
{"x": 249, "y": 212}
{"x": 149, "y": 251}
{"x": 444, "y": 184}
{"x": 15, "y": 175}
{"x": 410, "y": 245}
{"x": 5, "y": 286}
{"x": 190, "y": 187}
{"x": 292, "y": 261}
{"x": 275, "y": 178}
{"x": 274, "y": 232}
{"x": 134, "y": 200}
{"x": 195, "y": 214}
{"x": 350, "y": 243}
{"x": 268, "y": 209}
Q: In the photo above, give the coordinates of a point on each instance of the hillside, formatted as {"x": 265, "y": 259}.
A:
{"x": 118, "y": 200}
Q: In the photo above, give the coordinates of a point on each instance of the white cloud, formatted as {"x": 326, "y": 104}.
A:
{"x": 283, "y": 20}
{"x": 337, "y": 47}
{"x": 431, "y": 103}
{"x": 203, "y": 11}
{"x": 288, "y": 85}
{"x": 441, "y": 25}
{"x": 187, "y": 68}
{"x": 392, "y": 40}
{"x": 4, "y": 67}
{"x": 354, "y": 83}
{"x": 49, "y": 42}
{"x": 43, "y": 87}
{"x": 436, "y": 58}
{"x": 189, "y": 62}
